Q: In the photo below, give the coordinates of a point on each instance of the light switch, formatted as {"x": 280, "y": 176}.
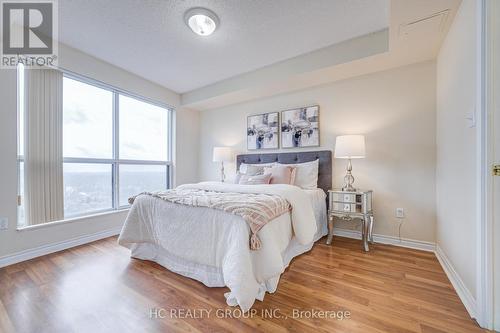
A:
{"x": 471, "y": 119}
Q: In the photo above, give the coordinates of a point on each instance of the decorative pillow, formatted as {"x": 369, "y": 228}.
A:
{"x": 306, "y": 175}
{"x": 254, "y": 169}
{"x": 254, "y": 180}
{"x": 238, "y": 177}
{"x": 233, "y": 178}
{"x": 281, "y": 174}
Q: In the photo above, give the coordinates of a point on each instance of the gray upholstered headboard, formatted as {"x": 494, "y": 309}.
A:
{"x": 324, "y": 156}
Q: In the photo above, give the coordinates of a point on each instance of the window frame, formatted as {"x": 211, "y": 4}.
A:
{"x": 114, "y": 161}
{"x": 20, "y": 157}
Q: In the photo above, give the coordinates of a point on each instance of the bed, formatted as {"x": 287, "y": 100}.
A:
{"x": 211, "y": 245}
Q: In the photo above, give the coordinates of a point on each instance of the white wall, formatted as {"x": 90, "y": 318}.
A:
{"x": 84, "y": 64}
{"x": 395, "y": 110}
{"x": 186, "y": 145}
{"x": 495, "y": 16}
{"x": 456, "y": 145}
{"x": 12, "y": 240}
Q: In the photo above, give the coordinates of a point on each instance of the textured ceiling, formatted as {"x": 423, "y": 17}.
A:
{"x": 149, "y": 37}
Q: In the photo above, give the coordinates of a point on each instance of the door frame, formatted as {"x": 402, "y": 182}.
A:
{"x": 485, "y": 104}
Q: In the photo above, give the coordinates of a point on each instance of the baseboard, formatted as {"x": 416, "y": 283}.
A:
{"x": 462, "y": 291}
{"x": 383, "y": 239}
{"x": 55, "y": 247}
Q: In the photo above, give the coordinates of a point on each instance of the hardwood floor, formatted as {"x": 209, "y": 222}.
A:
{"x": 99, "y": 288}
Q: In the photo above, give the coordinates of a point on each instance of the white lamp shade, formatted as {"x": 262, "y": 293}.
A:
{"x": 222, "y": 154}
{"x": 350, "y": 146}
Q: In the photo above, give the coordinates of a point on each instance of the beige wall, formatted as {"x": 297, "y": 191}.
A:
{"x": 395, "y": 110}
{"x": 456, "y": 145}
{"x": 12, "y": 240}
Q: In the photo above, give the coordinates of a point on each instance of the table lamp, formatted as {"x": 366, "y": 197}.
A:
{"x": 349, "y": 147}
{"x": 222, "y": 154}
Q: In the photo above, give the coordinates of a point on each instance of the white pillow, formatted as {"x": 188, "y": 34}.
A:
{"x": 254, "y": 169}
{"x": 255, "y": 180}
{"x": 281, "y": 174}
{"x": 306, "y": 175}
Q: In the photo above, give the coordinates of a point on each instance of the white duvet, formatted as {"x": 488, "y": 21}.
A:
{"x": 211, "y": 245}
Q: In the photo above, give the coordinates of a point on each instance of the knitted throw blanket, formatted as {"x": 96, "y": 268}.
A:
{"x": 256, "y": 209}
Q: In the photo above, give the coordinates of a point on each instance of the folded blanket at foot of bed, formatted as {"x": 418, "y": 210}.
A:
{"x": 257, "y": 209}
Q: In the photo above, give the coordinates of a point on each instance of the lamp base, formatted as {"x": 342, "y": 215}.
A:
{"x": 349, "y": 189}
{"x": 348, "y": 179}
{"x": 222, "y": 173}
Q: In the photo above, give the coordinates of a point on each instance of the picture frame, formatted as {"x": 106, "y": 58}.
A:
{"x": 300, "y": 127}
{"x": 263, "y": 131}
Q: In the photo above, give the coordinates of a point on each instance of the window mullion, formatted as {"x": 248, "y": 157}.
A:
{"x": 170, "y": 147}
{"x": 169, "y": 176}
{"x": 170, "y": 136}
{"x": 116, "y": 153}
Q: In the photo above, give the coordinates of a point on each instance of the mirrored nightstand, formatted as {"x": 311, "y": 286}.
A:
{"x": 349, "y": 206}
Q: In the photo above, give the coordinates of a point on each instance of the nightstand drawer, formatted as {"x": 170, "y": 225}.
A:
{"x": 349, "y": 206}
{"x": 344, "y": 197}
{"x": 345, "y": 207}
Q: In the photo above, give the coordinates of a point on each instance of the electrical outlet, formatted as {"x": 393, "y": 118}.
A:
{"x": 4, "y": 223}
{"x": 400, "y": 213}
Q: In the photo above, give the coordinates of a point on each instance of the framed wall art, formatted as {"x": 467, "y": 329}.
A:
{"x": 300, "y": 127}
{"x": 263, "y": 131}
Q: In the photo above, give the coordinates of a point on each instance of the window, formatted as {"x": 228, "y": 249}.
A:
{"x": 136, "y": 178}
{"x": 87, "y": 188}
{"x": 87, "y": 120}
{"x": 141, "y": 127}
{"x": 114, "y": 146}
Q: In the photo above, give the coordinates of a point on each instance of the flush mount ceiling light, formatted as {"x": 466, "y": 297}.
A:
{"x": 202, "y": 21}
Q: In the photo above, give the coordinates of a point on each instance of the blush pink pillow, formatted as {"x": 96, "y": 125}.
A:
{"x": 254, "y": 180}
{"x": 281, "y": 174}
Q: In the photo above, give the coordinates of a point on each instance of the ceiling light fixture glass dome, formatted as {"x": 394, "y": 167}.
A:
{"x": 202, "y": 21}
